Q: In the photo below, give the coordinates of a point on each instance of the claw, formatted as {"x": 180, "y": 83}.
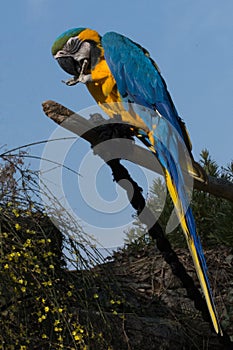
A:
{"x": 72, "y": 81}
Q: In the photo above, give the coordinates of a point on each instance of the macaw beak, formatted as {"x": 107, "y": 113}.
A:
{"x": 71, "y": 66}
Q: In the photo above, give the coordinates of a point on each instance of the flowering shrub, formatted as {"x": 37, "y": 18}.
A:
{"x": 40, "y": 298}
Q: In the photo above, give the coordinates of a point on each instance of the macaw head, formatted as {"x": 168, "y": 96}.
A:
{"x": 77, "y": 51}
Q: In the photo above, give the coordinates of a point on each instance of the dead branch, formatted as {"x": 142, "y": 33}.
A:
{"x": 136, "y": 154}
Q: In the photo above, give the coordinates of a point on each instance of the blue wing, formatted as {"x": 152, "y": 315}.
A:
{"x": 140, "y": 82}
{"x": 137, "y": 76}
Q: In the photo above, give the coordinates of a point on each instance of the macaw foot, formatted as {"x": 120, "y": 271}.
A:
{"x": 72, "y": 81}
{"x": 114, "y": 129}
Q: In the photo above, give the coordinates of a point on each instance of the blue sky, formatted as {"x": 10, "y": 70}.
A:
{"x": 190, "y": 40}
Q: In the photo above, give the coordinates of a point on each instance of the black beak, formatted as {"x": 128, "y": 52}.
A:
{"x": 69, "y": 65}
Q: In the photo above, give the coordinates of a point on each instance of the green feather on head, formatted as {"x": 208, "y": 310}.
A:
{"x": 62, "y": 39}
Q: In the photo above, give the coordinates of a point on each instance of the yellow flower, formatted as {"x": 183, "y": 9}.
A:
{"x": 46, "y": 309}
{"x": 17, "y": 227}
{"x": 47, "y": 254}
{"x": 43, "y": 317}
{"x": 23, "y": 289}
{"x": 6, "y": 266}
{"x": 28, "y": 243}
{"x": 48, "y": 283}
{"x": 57, "y": 329}
{"x": 37, "y": 269}
{"x": 69, "y": 293}
{"x": 15, "y": 212}
{"x": 32, "y": 232}
{"x": 51, "y": 266}
{"x": 77, "y": 337}
{"x": 44, "y": 336}
{"x": 20, "y": 281}
{"x": 28, "y": 212}
{"x": 13, "y": 277}
{"x": 95, "y": 296}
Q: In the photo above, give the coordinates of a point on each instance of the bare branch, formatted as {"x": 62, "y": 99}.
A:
{"x": 138, "y": 155}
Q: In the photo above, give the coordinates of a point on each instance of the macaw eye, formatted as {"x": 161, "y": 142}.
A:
{"x": 72, "y": 45}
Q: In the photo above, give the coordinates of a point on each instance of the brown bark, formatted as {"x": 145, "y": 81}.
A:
{"x": 138, "y": 155}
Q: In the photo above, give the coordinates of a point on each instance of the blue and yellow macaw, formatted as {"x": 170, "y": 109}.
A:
{"x": 123, "y": 79}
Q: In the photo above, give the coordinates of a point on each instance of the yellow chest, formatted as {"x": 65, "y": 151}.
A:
{"x": 103, "y": 86}
{"x": 104, "y": 90}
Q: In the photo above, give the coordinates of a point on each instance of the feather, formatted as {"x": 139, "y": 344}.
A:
{"x": 140, "y": 82}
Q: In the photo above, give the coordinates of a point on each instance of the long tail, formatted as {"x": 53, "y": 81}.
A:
{"x": 198, "y": 173}
{"x": 176, "y": 188}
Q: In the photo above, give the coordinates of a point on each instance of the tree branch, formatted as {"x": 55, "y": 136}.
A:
{"x": 136, "y": 154}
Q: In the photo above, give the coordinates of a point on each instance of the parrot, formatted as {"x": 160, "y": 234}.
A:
{"x": 123, "y": 79}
